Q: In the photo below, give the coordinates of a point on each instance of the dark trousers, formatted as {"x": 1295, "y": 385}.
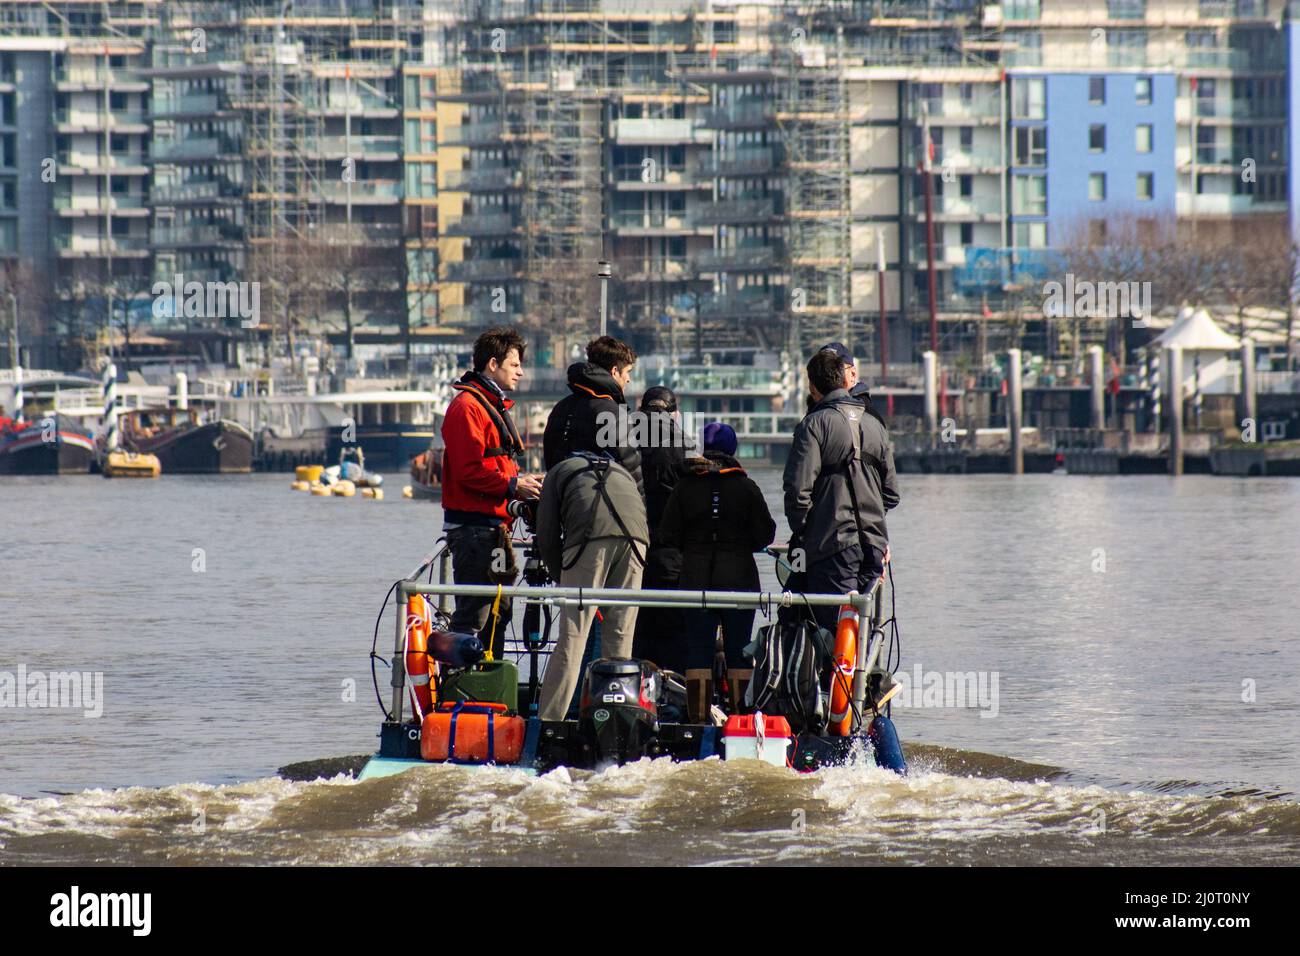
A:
{"x": 839, "y": 574}
{"x": 661, "y": 631}
{"x": 473, "y": 551}
{"x": 701, "y": 632}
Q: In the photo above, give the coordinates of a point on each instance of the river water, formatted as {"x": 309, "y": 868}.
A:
{"x": 1131, "y": 646}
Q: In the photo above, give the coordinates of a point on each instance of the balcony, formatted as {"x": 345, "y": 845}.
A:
{"x": 747, "y": 161}
{"x": 76, "y": 78}
{"x": 360, "y": 233}
{"x": 742, "y": 259}
{"x": 755, "y": 114}
{"x": 1228, "y": 110}
{"x": 125, "y": 247}
{"x": 488, "y": 179}
{"x": 193, "y": 104}
{"x": 363, "y": 193}
{"x": 984, "y": 105}
{"x": 76, "y": 164}
{"x": 93, "y": 205}
{"x": 207, "y": 234}
{"x": 71, "y": 121}
{"x": 653, "y": 269}
{"x": 756, "y": 303}
{"x": 657, "y": 178}
{"x": 357, "y": 105}
{"x": 196, "y": 150}
{"x": 359, "y": 147}
{"x": 482, "y": 224}
{"x": 760, "y": 209}
{"x": 956, "y": 207}
{"x": 632, "y": 221}
{"x": 484, "y": 133}
{"x": 657, "y": 132}
{"x": 483, "y": 270}
{"x": 196, "y": 191}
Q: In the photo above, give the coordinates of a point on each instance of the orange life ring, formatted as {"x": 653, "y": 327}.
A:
{"x": 419, "y": 669}
{"x": 846, "y": 655}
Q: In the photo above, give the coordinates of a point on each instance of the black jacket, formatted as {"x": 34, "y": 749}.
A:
{"x": 818, "y": 502}
{"x": 588, "y": 419}
{"x": 744, "y": 525}
{"x": 663, "y": 466}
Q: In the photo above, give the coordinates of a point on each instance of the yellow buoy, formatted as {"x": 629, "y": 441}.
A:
{"x": 406, "y": 492}
{"x": 128, "y": 464}
{"x": 344, "y": 488}
{"x": 319, "y": 490}
{"x": 301, "y": 486}
{"x": 308, "y": 473}
{"x": 376, "y": 493}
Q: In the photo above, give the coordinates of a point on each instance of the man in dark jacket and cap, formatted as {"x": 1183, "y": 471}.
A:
{"x": 839, "y": 482}
{"x": 660, "y": 631}
{"x": 594, "y": 418}
{"x": 718, "y": 518}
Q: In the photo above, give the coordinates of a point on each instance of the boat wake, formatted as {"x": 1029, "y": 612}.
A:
{"x": 955, "y": 807}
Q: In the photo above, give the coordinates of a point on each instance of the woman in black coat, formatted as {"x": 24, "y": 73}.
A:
{"x": 717, "y": 517}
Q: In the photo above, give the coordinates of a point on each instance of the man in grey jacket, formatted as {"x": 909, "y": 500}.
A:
{"x": 591, "y": 533}
{"x": 839, "y": 481}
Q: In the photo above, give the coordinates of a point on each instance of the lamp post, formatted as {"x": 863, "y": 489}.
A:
{"x": 604, "y": 271}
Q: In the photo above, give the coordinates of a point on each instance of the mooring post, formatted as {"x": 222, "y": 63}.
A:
{"x": 1014, "y": 408}
{"x": 1248, "y": 384}
{"x": 1097, "y": 386}
{"x": 1174, "y": 363}
{"x": 930, "y": 365}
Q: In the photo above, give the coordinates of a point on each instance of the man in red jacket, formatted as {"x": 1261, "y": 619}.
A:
{"x": 479, "y": 476}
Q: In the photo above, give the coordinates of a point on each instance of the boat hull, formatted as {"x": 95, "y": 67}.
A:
{"x": 215, "y": 448}
{"x": 561, "y": 743}
{"x": 386, "y": 447}
{"x": 28, "y": 452}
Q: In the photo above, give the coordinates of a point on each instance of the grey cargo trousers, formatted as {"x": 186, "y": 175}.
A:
{"x": 605, "y": 563}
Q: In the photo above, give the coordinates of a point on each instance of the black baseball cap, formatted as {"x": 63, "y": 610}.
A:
{"x": 840, "y": 349}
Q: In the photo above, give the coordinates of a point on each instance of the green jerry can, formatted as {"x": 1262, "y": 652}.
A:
{"x": 494, "y": 682}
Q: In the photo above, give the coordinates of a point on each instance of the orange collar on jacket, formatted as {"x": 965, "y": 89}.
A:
{"x": 591, "y": 391}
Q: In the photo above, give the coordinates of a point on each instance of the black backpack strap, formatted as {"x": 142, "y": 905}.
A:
{"x": 505, "y": 428}
{"x": 600, "y": 465}
{"x": 857, "y": 458}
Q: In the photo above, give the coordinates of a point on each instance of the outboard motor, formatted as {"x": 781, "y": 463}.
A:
{"x": 619, "y": 716}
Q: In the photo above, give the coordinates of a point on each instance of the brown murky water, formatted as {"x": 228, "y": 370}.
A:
{"x": 1136, "y": 639}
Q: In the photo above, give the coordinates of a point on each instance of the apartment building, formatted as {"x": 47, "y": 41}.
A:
{"x": 746, "y": 165}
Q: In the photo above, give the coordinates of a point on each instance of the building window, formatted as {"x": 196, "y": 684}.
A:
{"x": 1097, "y": 138}
{"x": 967, "y": 137}
{"x": 967, "y": 234}
{"x": 1126, "y": 9}
{"x": 966, "y": 183}
{"x": 1030, "y": 146}
{"x": 1029, "y": 98}
{"x": 1030, "y": 235}
{"x": 1096, "y": 186}
{"x": 1029, "y": 196}
{"x": 1143, "y": 137}
{"x": 1142, "y": 90}
{"x": 1146, "y": 187}
{"x": 1097, "y": 90}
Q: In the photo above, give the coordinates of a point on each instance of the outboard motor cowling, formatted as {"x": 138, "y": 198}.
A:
{"x": 619, "y": 715}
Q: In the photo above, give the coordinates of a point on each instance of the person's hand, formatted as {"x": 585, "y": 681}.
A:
{"x": 528, "y": 486}
{"x": 885, "y": 559}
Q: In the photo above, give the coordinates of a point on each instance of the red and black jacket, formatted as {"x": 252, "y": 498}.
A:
{"x": 479, "y": 463}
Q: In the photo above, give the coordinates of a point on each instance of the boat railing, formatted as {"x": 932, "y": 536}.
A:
{"x": 867, "y": 605}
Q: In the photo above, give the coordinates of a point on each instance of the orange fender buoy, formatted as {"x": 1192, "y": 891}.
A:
{"x": 846, "y": 656}
{"x": 419, "y": 668}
